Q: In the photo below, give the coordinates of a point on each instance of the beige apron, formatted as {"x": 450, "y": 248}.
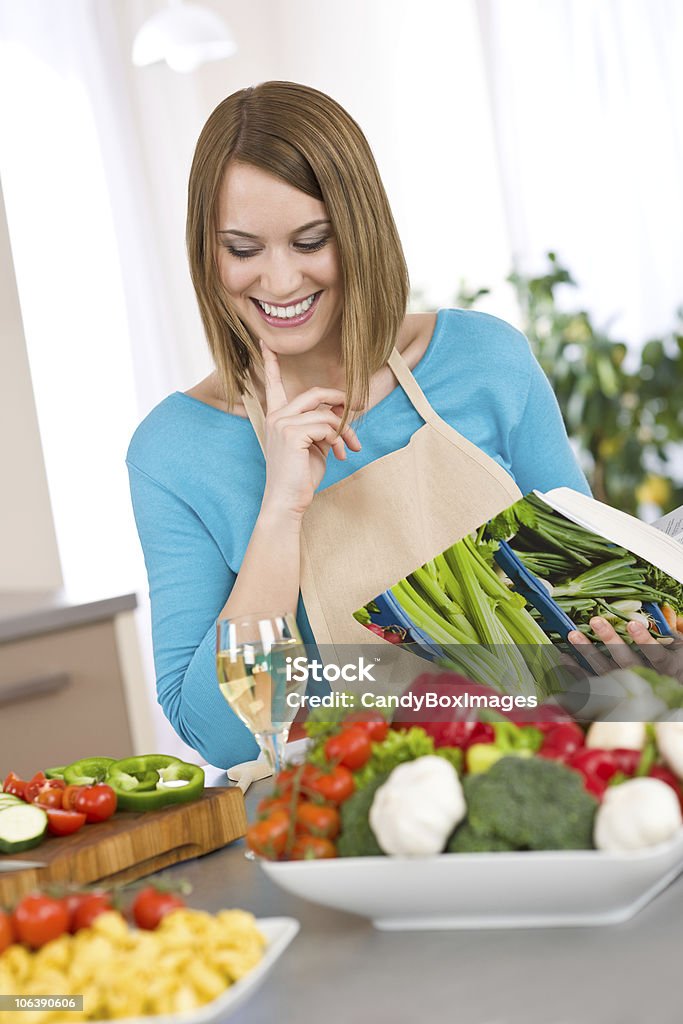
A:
{"x": 366, "y": 532}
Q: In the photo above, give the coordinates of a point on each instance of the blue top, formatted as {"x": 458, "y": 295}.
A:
{"x": 197, "y": 476}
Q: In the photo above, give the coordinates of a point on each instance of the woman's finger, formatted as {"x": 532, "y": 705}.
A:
{"x": 659, "y": 656}
{"x": 276, "y": 397}
{"x": 619, "y": 650}
{"x": 349, "y": 435}
{"x": 597, "y": 661}
{"x": 308, "y": 401}
{"x": 322, "y": 415}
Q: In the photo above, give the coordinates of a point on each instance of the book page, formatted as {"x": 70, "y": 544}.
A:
{"x": 672, "y": 524}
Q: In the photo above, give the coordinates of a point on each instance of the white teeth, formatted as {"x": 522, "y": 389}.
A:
{"x": 287, "y": 312}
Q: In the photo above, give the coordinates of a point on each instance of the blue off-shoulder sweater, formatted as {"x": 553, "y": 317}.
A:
{"x": 197, "y": 476}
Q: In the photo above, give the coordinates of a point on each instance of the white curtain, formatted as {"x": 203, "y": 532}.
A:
{"x": 105, "y": 323}
{"x": 588, "y": 104}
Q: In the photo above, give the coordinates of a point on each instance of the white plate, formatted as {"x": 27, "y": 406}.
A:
{"x": 486, "y": 890}
{"x": 279, "y": 932}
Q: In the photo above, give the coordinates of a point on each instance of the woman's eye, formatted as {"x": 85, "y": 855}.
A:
{"x": 241, "y": 254}
{"x": 312, "y": 246}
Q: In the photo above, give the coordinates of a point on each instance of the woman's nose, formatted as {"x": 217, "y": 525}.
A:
{"x": 280, "y": 278}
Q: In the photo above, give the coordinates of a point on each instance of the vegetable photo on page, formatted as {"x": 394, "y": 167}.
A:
{"x": 554, "y": 588}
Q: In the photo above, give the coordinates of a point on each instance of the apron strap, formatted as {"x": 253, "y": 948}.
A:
{"x": 399, "y": 368}
{"x": 403, "y": 375}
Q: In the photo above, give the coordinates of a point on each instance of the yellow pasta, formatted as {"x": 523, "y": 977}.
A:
{"x": 189, "y": 960}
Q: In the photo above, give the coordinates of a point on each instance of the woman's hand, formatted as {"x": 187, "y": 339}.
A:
{"x": 666, "y": 659}
{"x": 299, "y": 436}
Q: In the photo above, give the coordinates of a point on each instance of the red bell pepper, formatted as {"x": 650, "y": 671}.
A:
{"x": 560, "y": 740}
{"x": 599, "y": 767}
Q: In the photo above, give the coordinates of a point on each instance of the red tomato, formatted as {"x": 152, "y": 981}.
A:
{"x": 375, "y": 725}
{"x": 284, "y": 780}
{"x": 49, "y": 794}
{"x": 351, "y": 747}
{"x": 89, "y": 907}
{"x": 312, "y": 848}
{"x": 38, "y": 919}
{"x": 14, "y": 785}
{"x": 151, "y": 905}
{"x": 6, "y": 931}
{"x": 269, "y": 804}
{"x": 97, "y": 802}
{"x": 268, "y": 837}
{"x": 334, "y": 786}
{"x": 318, "y": 820}
{"x": 33, "y": 786}
{"x": 63, "y": 823}
{"x": 69, "y": 794}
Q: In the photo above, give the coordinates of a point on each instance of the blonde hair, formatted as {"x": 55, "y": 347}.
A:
{"x": 308, "y": 140}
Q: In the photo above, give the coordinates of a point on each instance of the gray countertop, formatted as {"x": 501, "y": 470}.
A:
{"x": 27, "y": 613}
{"x": 340, "y": 969}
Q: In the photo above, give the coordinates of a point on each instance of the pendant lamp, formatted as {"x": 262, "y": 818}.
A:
{"x": 185, "y": 35}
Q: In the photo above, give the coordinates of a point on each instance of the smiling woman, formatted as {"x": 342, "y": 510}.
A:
{"x": 246, "y": 488}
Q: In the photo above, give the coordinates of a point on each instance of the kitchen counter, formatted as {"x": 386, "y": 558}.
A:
{"x": 26, "y": 613}
{"x": 339, "y": 968}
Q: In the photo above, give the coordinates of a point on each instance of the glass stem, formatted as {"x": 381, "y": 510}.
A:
{"x": 273, "y": 746}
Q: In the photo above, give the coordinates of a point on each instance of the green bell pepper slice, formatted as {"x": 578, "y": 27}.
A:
{"x": 56, "y": 773}
{"x": 88, "y": 771}
{"x": 146, "y": 783}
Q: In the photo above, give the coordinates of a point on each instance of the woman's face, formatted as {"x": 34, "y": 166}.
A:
{"x": 276, "y": 250}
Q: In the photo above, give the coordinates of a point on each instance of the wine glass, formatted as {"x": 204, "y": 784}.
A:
{"x": 256, "y": 675}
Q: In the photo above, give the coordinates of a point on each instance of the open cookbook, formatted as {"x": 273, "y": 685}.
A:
{"x": 500, "y": 602}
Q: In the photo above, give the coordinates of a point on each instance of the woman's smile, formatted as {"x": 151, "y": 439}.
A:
{"x": 292, "y": 315}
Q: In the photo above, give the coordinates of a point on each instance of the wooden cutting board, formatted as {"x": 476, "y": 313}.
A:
{"x": 131, "y": 845}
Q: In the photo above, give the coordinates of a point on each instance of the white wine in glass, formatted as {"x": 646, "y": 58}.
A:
{"x": 254, "y": 655}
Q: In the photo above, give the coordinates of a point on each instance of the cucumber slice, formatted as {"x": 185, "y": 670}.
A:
{"x": 9, "y": 798}
{"x": 22, "y": 826}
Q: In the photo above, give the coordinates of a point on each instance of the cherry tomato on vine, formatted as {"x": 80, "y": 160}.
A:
{"x": 268, "y": 837}
{"x": 284, "y": 780}
{"x": 375, "y": 724}
{"x": 269, "y": 804}
{"x": 351, "y": 747}
{"x": 38, "y": 919}
{"x": 317, "y": 820}
{"x": 312, "y": 848}
{"x": 335, "y": 786}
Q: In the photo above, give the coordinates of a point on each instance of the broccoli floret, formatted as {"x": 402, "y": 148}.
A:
{"x": 531, "y": 804}
{"x": 357, "y": 838}
{"x": 466, "y": 840}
